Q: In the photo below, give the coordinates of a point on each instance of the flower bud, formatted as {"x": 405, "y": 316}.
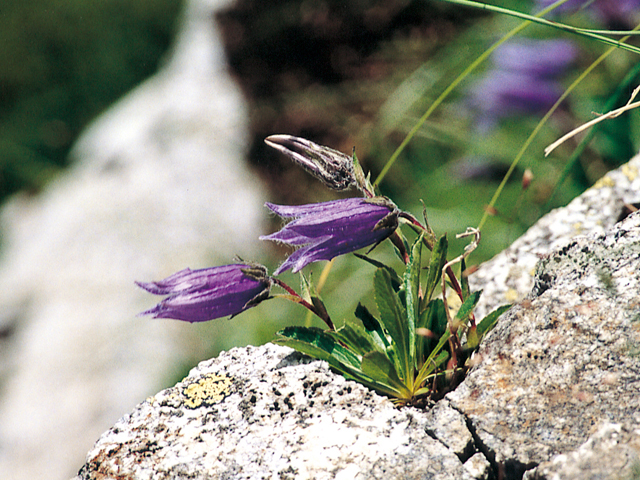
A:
{"x": 333, "y": 168}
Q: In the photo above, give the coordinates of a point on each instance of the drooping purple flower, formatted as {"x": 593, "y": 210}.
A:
{"x": 208, "y": 293}
{"x": 524, "y": 80}
{"x": 326, "y": 230}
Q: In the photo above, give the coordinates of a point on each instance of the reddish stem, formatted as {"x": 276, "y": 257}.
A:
{"x": 324, "y": 316}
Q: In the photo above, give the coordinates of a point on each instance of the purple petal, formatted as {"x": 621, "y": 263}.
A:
{"x": 326, "y": 230}
{"x": 208, "y": 293}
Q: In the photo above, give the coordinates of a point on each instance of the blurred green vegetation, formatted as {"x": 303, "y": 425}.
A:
{"x": 61, "y": 64}
{"x": 343, "y": 74}
{"x": 361, "y": 74}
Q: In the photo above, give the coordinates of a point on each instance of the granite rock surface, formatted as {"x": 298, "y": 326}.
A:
{"x": 555, "y": 386}
{"x": 564, "y": 361}
{"x": 268, "y": 412}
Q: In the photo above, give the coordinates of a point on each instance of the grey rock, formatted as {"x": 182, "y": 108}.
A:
{"x": 478, "y": 466}
{"x": 565, "y": 360}
{"x": 269, "y": 413}
{"x": 508, "y": 277}
{"x": 612, "y": 453}
{"x": 158, "y": 182}
{"x": 450, "y": 427}
{"x": 555, "y": 385}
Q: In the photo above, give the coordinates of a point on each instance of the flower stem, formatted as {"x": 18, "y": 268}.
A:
{"x": 320, "y": 312}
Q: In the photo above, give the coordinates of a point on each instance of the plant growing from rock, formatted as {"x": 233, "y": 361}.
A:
{"x": 413, "y": 348}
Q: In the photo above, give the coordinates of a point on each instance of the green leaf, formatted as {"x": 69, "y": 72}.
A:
{"x": 473, "y": 340}
{"x": 411, "y": 286}
{"x": 429, "y": 370}
{"x": 488, "y": 322}
{"x": 468, "y": 305}
{"x": 310, "y": 294}
{"x": 356, "y": 338}
{"x": 306, "y": 288}
{"x": 434, "y": 357}
{"x": 377, "y": 366}
{"x": 317, "y": 343}
{"x": 436, "y": 264}
{"x": 434, "y": 318}
{"x": 393, "y": 317}
{"x": 372, "y": 326}
{"x": 397, "y": 281}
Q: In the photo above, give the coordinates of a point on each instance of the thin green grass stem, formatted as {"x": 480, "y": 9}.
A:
{"x": 539, "y": 126}
{"x": 575, "y": 155}
{"x": 452, "y": 86}
{"x": 593, "y": 34}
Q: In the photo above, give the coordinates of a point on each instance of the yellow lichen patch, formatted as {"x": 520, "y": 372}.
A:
{"x": 629, "y": 171}
{"x": 511, "y": 295}
{"x": 605, "y": 181}
{"x": 208, "y": 390}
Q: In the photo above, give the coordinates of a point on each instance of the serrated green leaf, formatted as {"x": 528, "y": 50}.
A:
{"x": 377, "y": 366}
{"x": 317, "y": 343}
{"x": 468, "y": 305}
{"x": 356, "y": 338}
{"x": 372, "y": 326}
{"x": 411, "y": 284}
{"x": 436, "y": 264}
{"x": 393, "y": 318}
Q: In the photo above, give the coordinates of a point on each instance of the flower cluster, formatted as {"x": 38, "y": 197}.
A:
{"x": 319, "y": 231}
{"x": 414, "y": 348}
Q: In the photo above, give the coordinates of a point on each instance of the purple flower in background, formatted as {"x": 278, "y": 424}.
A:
{"x": 524, "y": 80}
{"x": 535, "y": 58}
{"x": 326, "y": 230}
{"x": 208, "y": 293}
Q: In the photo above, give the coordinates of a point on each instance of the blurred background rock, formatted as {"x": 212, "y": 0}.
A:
{"x": 107, "y": 178}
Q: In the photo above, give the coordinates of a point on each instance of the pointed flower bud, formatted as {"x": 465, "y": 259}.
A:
{"x": 208, "y": 293}
{"x": 331, "y": 167}
{"x": 326, "y": 230}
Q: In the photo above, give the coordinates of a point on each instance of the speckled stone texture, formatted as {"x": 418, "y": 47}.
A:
{"x": 268, "y": 412}
{"x": 554, "y": 393}
{"x": 566, "y": 360}
{"x": 508, "y": 277}
{"x": 610, "y": 454}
